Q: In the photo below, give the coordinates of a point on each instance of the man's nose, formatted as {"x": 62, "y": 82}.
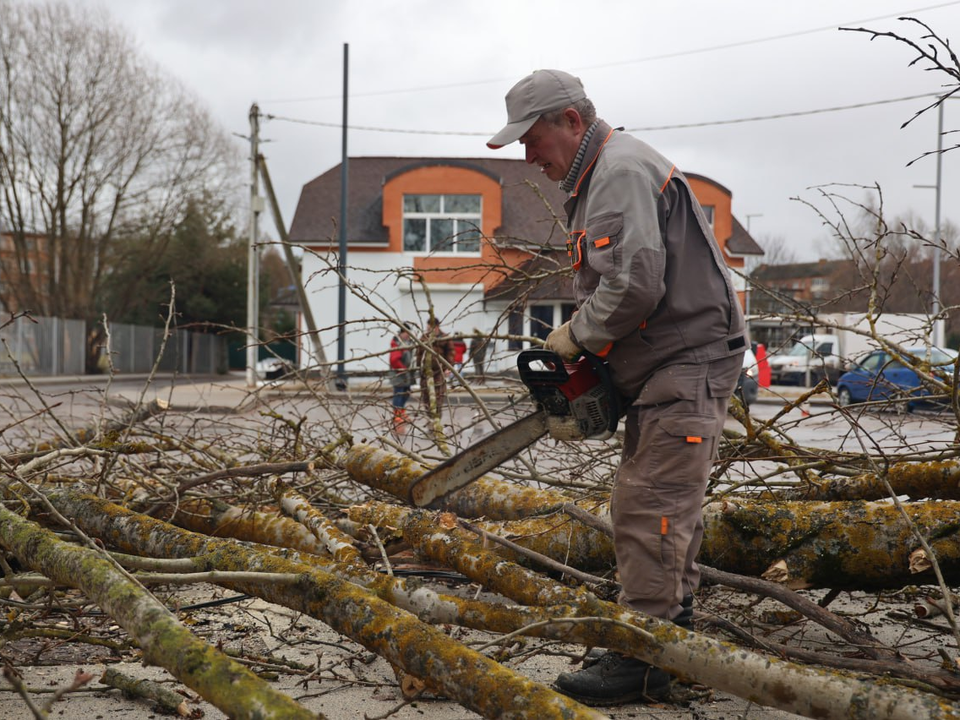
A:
{"x": 528, "y": 153}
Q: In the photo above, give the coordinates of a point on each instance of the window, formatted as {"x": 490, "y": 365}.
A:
{"x": 441, "y": 223}
{"x": 544, "y": 318}
{"x": 708, "y": 211}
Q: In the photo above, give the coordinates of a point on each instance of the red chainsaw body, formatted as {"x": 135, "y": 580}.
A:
{"x": 582, "y": 389}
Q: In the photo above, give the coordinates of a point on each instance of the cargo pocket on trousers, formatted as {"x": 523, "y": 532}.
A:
{"x": 683, "y": 457}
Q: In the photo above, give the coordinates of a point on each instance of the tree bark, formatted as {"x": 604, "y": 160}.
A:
{"x": 487, "y": 497}
{"x": 842, "y": 545}
{"x": 594, "y": 622}
{"x": 165, "y": 642}
{"x": 448, "y": 668}
{"x": 917, "y": 480}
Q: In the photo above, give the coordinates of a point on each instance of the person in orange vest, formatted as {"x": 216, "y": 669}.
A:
{"x": 401, "y": 375}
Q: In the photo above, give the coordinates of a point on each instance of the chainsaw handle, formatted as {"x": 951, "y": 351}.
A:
{"x": 555, "y": 372}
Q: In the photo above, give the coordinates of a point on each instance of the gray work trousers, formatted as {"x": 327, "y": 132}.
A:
{"x": 671, "y": 437}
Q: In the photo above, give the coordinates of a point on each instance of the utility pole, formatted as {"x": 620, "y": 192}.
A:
{"x": 341, "y": 382}
{"x": 253, "y": 253}
{"x": 935, "y": 305}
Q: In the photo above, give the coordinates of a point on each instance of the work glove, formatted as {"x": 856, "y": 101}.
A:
{"x": 561, "y": 342}
{"x": 564, "y": 428}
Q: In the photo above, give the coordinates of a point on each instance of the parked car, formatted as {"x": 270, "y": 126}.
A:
{"x": 748, "y": 387}
{"x": 273, "y": 368}
{"x": 878, "y": 375}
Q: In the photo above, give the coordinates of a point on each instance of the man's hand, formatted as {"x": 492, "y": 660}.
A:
{"x": 561, "y": 342}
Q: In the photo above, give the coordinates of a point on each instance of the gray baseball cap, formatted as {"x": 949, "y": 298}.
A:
{"x": 539, "y": 92}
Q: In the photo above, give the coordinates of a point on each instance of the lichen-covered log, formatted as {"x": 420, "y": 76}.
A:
{"x": 917, "y": 480}
{"x": 226, "y": 684}
{"x": 487, "y": 497}
{"x": 437, "y": 537}
{"x": 813, "y": 693}
{"x": 843, "y": 545}
{"x": 837, "y": 545}
{"x": 449, "y": 668}
{"x": 217, "y": 518}
{"x": 485, "y": 686}
{"x": 407, "y": 593}
{"x": 334, "y": 540}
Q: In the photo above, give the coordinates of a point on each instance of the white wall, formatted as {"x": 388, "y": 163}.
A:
{"x": 380, "y": 291}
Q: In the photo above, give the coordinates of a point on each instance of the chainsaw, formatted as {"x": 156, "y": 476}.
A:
{"x": 581, "y": 394}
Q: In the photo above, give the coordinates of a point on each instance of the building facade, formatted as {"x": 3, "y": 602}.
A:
{"x": 477, "y": 243}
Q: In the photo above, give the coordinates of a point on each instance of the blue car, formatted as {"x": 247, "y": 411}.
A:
{"x": 880, "y": 376}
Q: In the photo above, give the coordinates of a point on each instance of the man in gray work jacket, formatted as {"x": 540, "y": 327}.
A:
{"x": 655, "y": 300}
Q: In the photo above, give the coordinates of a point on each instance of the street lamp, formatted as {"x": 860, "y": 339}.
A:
{"x": 747, "y": 270}
{"x": 937, "y": 338}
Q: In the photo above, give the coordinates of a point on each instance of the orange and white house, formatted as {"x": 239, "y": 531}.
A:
{"x": 479, "y": 243}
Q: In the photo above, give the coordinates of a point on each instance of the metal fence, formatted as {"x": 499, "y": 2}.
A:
{"x": 54, "y": 346}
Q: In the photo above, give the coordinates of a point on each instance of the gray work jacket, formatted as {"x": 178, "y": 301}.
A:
{"x": 651, "y": 286}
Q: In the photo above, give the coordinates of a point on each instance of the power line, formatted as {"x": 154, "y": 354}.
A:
{"x": 778, "y": 116}
{"x": 681, "y": 126}
{"x": 634, "y": 61}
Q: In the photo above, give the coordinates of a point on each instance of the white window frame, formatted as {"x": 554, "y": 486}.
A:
{"x": 556, "y": 306}
{"x": 710, "y": 212}
{"x": 462, "y": 222}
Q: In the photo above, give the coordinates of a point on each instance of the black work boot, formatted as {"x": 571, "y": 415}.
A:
{"x": 614, "y": 679}
{"x": 609, "y": 678}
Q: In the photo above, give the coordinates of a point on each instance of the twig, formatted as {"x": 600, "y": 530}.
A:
{"x": 383, "y": 550}
{"x": 535, "y": 556}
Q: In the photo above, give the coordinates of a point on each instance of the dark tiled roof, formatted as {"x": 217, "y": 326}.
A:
{"x": 741, "y": 242}
{"x": 525, "y": 216}
{"x": 546, "y": 276}
{"x": 822, "y": 268}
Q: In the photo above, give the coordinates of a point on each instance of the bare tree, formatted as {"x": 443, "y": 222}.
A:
{"x": 99, "y": 153}
{"x": 776, "y": 251}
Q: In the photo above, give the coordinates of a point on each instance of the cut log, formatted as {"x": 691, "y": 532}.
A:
{"x": 842, "y": 545}
{"x": 487, "y": 497}
{"x": 232, "y": 688}
{"x": 593, "y": 622}
{"x": 916, "y": 480}
{"x": 448, "y": 668}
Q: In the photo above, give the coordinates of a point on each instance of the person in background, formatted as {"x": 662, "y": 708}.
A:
{"x": 459, "y": 351}
{"x": 434, "y": 365}
{"x": 478, "y": 353}
{"x": 654, "y": 298}
{"x": 401, "y": 375}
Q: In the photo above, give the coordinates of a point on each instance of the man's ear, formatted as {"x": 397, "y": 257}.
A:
{"x": 573, "y": 119}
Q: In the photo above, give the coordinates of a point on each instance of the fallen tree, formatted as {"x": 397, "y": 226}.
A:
{"x": 478, "y": 683}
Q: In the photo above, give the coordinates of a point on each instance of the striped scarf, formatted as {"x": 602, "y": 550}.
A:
{"x": 568, "y": 183}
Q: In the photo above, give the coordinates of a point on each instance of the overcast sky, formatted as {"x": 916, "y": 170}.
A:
{"x": 437, "y": 70}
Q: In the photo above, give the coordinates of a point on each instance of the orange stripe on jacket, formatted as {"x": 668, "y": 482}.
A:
{"x": 586, "y": 172}
{"x": 669, "y": 175}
